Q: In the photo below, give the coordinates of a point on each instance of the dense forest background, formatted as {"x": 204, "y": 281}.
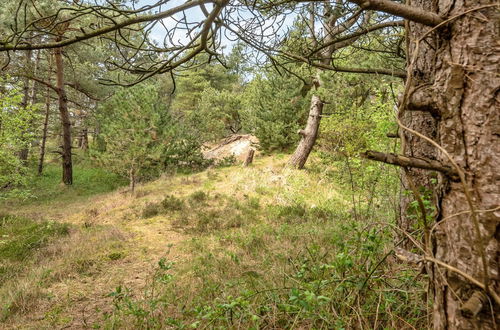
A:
{"x": 372, "y": 201}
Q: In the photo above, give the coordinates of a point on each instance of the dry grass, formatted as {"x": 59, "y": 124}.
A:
{"x": 227, "y": 231}
{"x": 66, "y": 283}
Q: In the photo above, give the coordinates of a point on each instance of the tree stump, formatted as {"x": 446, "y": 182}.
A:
{"x": 249, "y": 158}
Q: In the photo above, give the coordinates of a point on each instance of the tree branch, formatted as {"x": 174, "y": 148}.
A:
{"x": 408, "y": 12}
{"x": 404, "y": 161}
{"x": 338, "y": 42}
{"x": 114, "y": 27}
{"x": 387, "y": 72}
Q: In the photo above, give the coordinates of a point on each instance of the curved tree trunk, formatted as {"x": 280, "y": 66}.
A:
{"x": 67, "y": 165}
{"x": 458, "y": 83}
{"x": 308, "y": 135}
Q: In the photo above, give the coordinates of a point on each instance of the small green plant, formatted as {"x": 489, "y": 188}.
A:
{"x": 198, "y": 197}
{"x": 226, "y": 161}
{"x": 151, "y": 210}
{"x": 20, "y": 238}
{"x": 172, "y": 203}
{"x": 294, "y": 213}
{"x": 116, "y": 255}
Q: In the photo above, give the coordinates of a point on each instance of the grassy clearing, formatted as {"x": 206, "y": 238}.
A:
{"x": 20, "y": 238}
{"x": 259, "y": 247}
{"x": 274, "y": 248}
{"x": 48, "y": 198}
{"x": 38, "y": 255}
{"x": 88, "y": 181}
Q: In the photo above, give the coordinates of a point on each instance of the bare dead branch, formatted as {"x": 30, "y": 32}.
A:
{"x": 405, "y": 161}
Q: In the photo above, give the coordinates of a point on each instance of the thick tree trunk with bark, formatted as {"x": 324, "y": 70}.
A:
{"x": 308, "y": 135}
{"x": 456, "y": 80}
{"x": 421, "y": 120}
{"x": 67, "y": 165}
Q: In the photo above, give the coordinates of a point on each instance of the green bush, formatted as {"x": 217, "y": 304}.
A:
{"x": 172, "y": 203}
{"x": 275, "y": 110}
{"x": 198, "y": 197}
{"x": 151, "y": 210}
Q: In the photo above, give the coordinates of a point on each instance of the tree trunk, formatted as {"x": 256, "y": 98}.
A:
{"x": 132, "y": 179}
{"x": 458, "y": 83}
{"x": 308, "y": 135}
{"x": 249, "y": 158}
{"x": 67, "y": 165}
{"x": 85, "y": 139}
{"x": 417, "y": 118}
{"x": 23, "y": 153}
{"x": 46, "y": 120}
{"x": 332, "y": 26}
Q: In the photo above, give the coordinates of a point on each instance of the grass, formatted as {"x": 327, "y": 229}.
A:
{"x": 231, "y": 247}
{"x": 20, "y": 238}
{"x": 271, "y": 248}
{"x": 47, "y": 188}
{"x": 277, "y": 267}
{"x": 88, "y": 181}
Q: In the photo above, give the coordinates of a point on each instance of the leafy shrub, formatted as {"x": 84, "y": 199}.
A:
{"x": 172, "y": 203}
{"x": 151, "y": 210}
{"x": 15, "y": 136}
{"x": 198, "y": 197}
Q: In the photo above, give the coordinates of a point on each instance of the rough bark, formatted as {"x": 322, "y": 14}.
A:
{"x": 421, "y": 120}
{"x": 67, "y": 165}
{"x": 249, "y": 158}
{"x": 23, "y": 153}
{"x": 46, "y": 120}
{"x": 308, "y": 135}
{"x": 411, "y": 162}
{"x": 132, "y": 179}
{"x": 458, "y": 67}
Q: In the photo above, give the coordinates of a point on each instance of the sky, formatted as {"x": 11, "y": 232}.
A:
{"x": 193, "y": 15}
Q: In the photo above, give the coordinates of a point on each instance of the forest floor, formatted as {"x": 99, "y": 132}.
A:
{"x": 112, "y": 242}
{"x": 201, "y": 250}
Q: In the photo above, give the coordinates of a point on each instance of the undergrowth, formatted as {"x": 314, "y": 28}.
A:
{"x": 274, "y": 259}
{"x": 20, "y": 238}
{"x": 47, "y": 187}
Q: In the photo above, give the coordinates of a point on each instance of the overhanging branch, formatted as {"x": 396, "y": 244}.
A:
{"x": 386, "y": 72}
{"x": 102, "y": 31}
{"x": 404, "y": 161}
{"x": 410, "y": 13}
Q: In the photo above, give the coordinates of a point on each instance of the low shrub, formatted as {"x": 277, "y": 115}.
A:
{"x": 172, "y": 203}
{"x": 151, "y": 210}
